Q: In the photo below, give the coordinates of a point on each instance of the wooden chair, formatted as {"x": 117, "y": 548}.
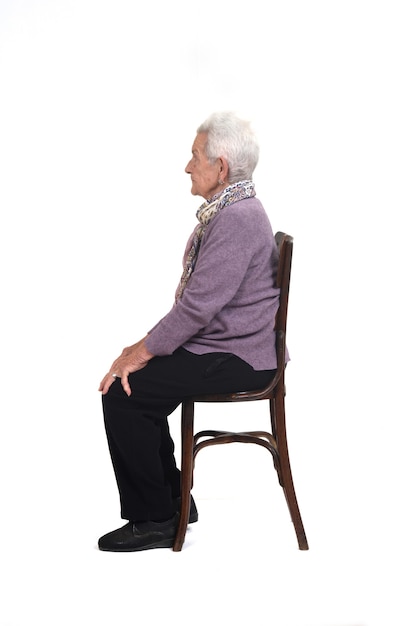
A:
{"x": 274, "y": 441}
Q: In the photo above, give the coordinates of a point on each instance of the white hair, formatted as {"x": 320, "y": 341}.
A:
{"x": 230, "y": 137}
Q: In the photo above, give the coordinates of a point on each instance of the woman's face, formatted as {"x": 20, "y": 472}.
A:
{"x": 206, "y": 178}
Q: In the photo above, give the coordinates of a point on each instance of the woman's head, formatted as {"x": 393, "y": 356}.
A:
{"x": 230, "y": 137}
{"x": 225, "y": 151}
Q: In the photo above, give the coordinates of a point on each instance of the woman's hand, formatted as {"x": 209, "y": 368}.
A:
{"x": 131, "y": 360}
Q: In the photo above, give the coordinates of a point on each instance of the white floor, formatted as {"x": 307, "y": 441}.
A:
{"x": 240, "y": 562}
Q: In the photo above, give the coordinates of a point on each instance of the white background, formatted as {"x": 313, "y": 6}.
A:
{"x": 99, "y": 102}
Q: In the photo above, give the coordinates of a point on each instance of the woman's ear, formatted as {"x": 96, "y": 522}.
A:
{"x": 223, "y": 169}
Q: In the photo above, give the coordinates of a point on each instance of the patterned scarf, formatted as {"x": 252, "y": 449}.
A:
{"x": 210, "y": 208}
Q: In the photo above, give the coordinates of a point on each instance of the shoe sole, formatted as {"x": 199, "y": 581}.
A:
{"x": 166, "y": 543}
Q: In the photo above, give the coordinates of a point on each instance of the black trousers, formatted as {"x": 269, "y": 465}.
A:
{"x": 141, "y": 448}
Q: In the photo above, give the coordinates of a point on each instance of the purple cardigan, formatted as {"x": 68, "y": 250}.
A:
{"x": 230, "y": 301}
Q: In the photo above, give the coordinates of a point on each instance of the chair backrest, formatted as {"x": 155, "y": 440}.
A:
{"x": 285, "y": 245}
{"x": 285, "y": 248}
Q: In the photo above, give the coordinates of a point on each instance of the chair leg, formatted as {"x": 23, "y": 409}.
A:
{"x": 285, "y": 474}
{"x": 187, "y": 466}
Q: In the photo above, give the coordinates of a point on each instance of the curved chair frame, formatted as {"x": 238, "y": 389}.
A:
{"x": 274, "y": 441}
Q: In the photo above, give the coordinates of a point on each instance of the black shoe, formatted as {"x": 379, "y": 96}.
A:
{"x": 193, "y": 510}
{"x": 136, "y": 536}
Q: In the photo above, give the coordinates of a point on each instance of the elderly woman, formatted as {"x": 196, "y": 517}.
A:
{"x": 217, "y": 338}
